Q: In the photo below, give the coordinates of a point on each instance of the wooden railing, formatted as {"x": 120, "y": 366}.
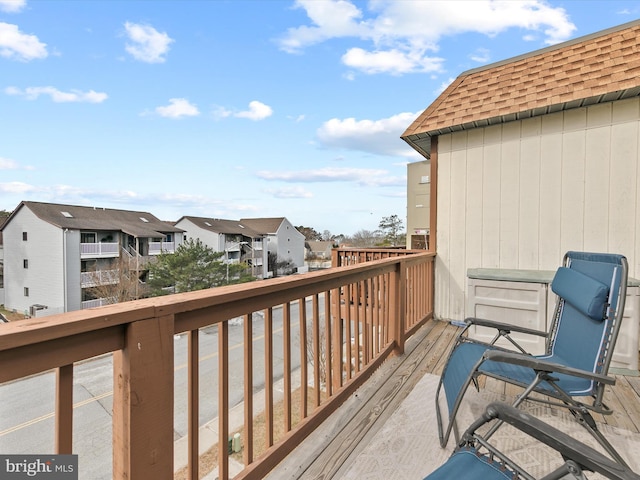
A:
{"x": 349, "y": 318}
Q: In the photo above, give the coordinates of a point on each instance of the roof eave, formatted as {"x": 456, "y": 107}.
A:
{"x": 421, "y": 142}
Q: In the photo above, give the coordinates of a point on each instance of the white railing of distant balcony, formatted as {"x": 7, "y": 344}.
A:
{"x": 156, "y": 248}
{"x": 101, "y": 249}
{"x": 99, "y": 277}
{"x": 97, "y": 302}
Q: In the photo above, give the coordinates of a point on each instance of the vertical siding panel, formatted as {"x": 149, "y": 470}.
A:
{"x": 441, "y": 300}
{"x": 622, "y": 112}
{"x": 624, "y": 174}
{"x": 491, "y": 198}
{"x": 509, "y": 195}
{"x": 529, "y": 224}
{"x": 573, "y": 176}
{"x": 597, "y": 190}
{"x": 474, "y": 220}
{"x": 634, "y": 261}
{"x": 551, "y": 191}
{"x": 457, "y": 229}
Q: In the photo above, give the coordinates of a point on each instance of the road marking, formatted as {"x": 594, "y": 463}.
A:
{"x": 52, "y": 414}
{"x": 107, "y": 394}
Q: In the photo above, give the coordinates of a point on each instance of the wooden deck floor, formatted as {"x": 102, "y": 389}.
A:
{"x": 328, "y": 452}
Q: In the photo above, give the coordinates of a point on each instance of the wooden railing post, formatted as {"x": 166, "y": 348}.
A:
{"x": 64, "y": 409}
{"x": 143, "y": 401}
{"x": 398, "y": 306}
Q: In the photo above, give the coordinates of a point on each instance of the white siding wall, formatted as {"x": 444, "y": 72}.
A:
{"x": 290, "y": 244}
{"x": 72, "y": 263}
{"x": 44, "y": 252}
{"x": 209, "y": 238}
{"x": 519, "y": 195}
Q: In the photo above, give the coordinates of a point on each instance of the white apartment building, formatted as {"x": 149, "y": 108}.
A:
{"x": 54, "y": 254}
{"x": 284, "y": 242}
{"x": 237, "y": 241}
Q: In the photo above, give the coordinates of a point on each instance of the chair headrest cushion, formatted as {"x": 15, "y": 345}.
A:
{"x": 587, "y": 295}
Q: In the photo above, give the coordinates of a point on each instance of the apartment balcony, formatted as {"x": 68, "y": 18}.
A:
{"x": 100, "y": 250}
{"x": 156, "y": 248}
{"x": 99, "y": 277}
{"x": 305, "y": 345}
{"x": 96, "y": 302}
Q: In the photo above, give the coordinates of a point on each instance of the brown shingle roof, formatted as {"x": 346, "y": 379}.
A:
{"x": 92, "y": 218}
{"x": 217, "y": 225}
{"x": 601, "y": 67}
{"x": 264, "y": 225}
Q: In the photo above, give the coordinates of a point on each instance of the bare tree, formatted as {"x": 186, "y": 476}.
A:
{"x": 365, "y": 238}
{"x": 115, "y": 283}
{"x": 279, "y": 266}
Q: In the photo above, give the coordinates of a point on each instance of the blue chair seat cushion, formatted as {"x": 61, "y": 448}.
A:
{"x": 467, "y": 464}
{"x": 585, "y": 294}
{"x": 466, "y": 355}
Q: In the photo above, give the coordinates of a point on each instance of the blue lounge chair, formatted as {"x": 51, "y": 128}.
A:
{"x": 573, "y": 373}
{"x": 476, "y": 459}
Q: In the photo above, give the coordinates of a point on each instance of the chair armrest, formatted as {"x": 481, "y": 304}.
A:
{"x": 535, "y": 363}
{"x": 568, "y": 447}
{"x": 482, "y": 322}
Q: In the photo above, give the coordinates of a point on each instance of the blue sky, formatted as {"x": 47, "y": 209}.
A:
{"x": 233, "y": 109}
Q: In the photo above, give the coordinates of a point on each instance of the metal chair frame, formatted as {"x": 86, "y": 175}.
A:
{"x": 546, "y": 371}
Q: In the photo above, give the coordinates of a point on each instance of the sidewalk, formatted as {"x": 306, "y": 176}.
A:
{"x": 209, "y": 432}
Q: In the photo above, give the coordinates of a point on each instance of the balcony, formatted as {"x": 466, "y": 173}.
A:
{"x": 365, "y": 327}
{"x": 99, "y": 277}
{"x": 96, "y": 302}
{"x": 156, "y": 248}
{"x": 100, "y": 250}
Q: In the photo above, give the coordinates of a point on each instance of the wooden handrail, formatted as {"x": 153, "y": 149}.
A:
{"x": 358, "y": 314}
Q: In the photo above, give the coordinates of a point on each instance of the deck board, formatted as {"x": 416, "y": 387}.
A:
{"x": 329, "y": 452}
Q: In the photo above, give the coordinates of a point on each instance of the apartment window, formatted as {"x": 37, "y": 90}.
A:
{"x": 26, "y": 291}
{"x": 24, "y": 236}
{"x": 88, "y": 237}
{"x": 25, "y": 263}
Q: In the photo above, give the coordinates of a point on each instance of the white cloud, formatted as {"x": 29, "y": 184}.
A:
{"x": 481, "y": 55}
{"x": 147, "y": 44}
{"x": 289, "y": 192}
{"x": 380, "y": 137}
{"x": 443, "y": 86}
{"x": 17, "y": 187}
{"x": 401, "y": 42}
{"x": 393, "y": 61}
{"x": 331, "y": 19}
{"x": 257, "y": 111}
{"x": 361, "y": 176}
{"x": 178, "y": 108}
{"x": 58, "y": 96}
{"x": 12, "y": 6}
{"x": 8, "y": 164}
{"x": 16, "y": 45}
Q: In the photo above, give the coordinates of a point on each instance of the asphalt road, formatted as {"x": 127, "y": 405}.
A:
{"x": 27, "y": 406}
